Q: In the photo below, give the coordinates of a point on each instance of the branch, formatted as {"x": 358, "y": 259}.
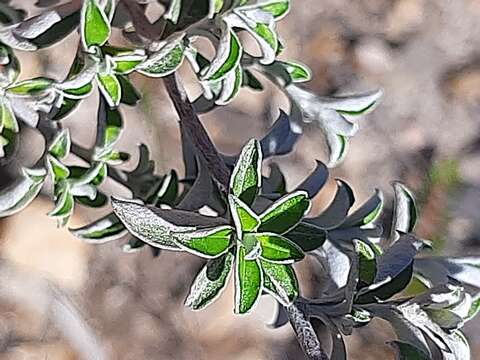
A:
{"x": 306, "y": 336}
{"x": 190, "y": 122}
{"x": 143, "y": 26}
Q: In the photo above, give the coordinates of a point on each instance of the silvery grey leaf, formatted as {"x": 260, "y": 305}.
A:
{"x": 83, "y": 78}
{"x": 355, "y": 104}
{"x": 405, "y": 210}
{"x": 108, "y": 228}
{"x": 438, "y": 270}
{"x": 25, "y": 109}
{"x": 337, "y": 146}
{"x": 252, "y": 20}
{"x": 368, "y": 212}
{"x": 86, "y": 190}
{"x": 314, "y": 109}
{"x": 336, "y": 212}
{"x": 315, "y": 181}
{"x": 158, "y": 227}
{"x": 9, "y": 39}
{"x": 33, "y": 27}
{"x": 394, "y": 269}
{"x": 397, "y": 257}
{"x": 280, "y": 139}
{"x": 370, "y": 235}
{"x": 405, "y": 330}
{"x": 280, "y": 317}
{"x": 20, "y": 194}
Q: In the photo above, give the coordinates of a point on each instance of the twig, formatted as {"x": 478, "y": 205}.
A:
{"x": 143, "y": 27}
{"x": 191, "y": 125}
{"x": 306, "y": 336}
{"x": 198, "y": 135}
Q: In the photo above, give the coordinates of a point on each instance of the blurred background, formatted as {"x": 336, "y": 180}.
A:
{"x": 426, "y": 132}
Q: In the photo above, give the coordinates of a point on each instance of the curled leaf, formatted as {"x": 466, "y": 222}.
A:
{"x": 210, "y": 282}
{"x": 100, "y": 231}
{"x": 246, "y": 177}
{"x": 20, "y": 194}
{"x": 164, "y": 61}
{"x": 229, "y": 53}
{"x": 94, "y": 25}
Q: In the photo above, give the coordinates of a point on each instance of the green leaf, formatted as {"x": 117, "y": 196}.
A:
{"x": 60, "y": 147}
{"x": 79, "y": 93}
{"x": 248, "y": 282}
{"x": 251, "y": 81}
{"x": 158, "y": 227}
{"x": 215, "y": 6}
{"x": 63, "y": 207}
{"x": 78, "y": 84}
{"x": 10, "y": 66}
{"x": 406, "y": 351}
{"x": 285, "y": 213}
{"x": 110, "y": 156}
{"x": 229, "y": 53}
{"x": 405, "y": 210}
{"x": 354, "y": 105}
{"x": 278, "y": 8}
{"x": 394, "y": 269}
{"x": 164, "y": 61}
{"x": 19, "y": 195}
{"x": 254, "y": 22}
{"x": 244, "y": 218}
{"x": 7, "y": 117}
{"x": 31, "y": 87}
{"x": 246, "y": 177}
{"x": 208, "y": 243}
{"x": 368, "y": 212}
{"x": 278, "y": 249}
{"x": 109, "y": 126}
{"x": 338, "y": 146}
{"x": 100, "y": 231}
{"x": 474, "y": 308}
{"x": 110, "y": 88}
{"x": 280, "y": 281}
{"x": 366, "y": 262}
{"x": 94, "y": 25}
{"x": 95, "y": 175}
{"x": 298, "y": 72}
{"x": 267, "y": 36}
{"x": 125, "y": 64}
{"x": 308, "y": 236}
{"x": 58, "y": 171}
{"x": 65, "y": 109}
{"x": 231, "y": 85}
{"x": 210, "y": 282}
{"x": 130, "y": 95}
{"x": 99, "y": 200}
{"x": 252, "y": 247}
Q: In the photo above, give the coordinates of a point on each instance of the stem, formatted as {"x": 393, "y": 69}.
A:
{"x": 306, "y": 335}
{"x": 196, "y": 132}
